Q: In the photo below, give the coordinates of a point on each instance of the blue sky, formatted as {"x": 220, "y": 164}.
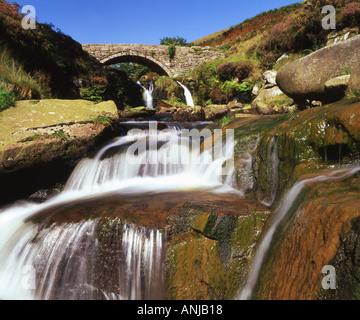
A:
{"x": 145, "y": 22}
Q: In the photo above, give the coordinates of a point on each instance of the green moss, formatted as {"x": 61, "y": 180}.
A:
{"x": 200, "y": 222}
{"x": 46, "y": 113}
{"x": 226, "y": 120}
{"x": 196, "y": 272}
{"x": 212, "y": 261}
{"x": 245, "y": 232}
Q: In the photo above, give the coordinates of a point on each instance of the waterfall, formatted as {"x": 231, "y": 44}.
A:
{"x": 188, "y": 96}
{"x": 74, "y": 260}
{"x": 284, "y": 208}
{"x": 69, "y": 262}
{"x": 171, "y": 164}
{"x": 148, "y": 94}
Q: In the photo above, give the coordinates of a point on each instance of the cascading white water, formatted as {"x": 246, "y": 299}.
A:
{"x": 148, "y": 94}
{"x": 69, "y": 263}
{"x": 160, "y": 169}
{"x": 188, "y": 96}
{"x": 65, "y": 256}
{"x": 282, "y": 211}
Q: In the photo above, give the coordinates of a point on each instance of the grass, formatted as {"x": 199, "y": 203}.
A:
{"x": 104, "y": 120}
{"x": 14, "y": 78}
{"x": 346, "y": 71}
{"x": 249, "y": 27}
{"x": 57, "y": 135}
{"x": 226, "y": 120}
{"x": 6, "y": 99}
{"x": 61, "y": 135}
{"x": 351, "y": 94}
{"x": 280, "y": 101}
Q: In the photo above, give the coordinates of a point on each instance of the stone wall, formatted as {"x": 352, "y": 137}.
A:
{"x": 153, "y": 56}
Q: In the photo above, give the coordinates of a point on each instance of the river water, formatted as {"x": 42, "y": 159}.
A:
{"x": 108, "y": 258}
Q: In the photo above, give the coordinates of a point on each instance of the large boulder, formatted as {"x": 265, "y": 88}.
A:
{"x": 216, "y": 111}
{"x": 164, "y": 107}
{"x": 36, "y": 133}
{"x": 271, "y": 100}
{"x": 189, "y": 114}
{"x": 138, "y": 112}
{"x": 305, "y": 79}
{"x": 335, "y": 88}
{"x": 354, "y": 84}
{"x": 270, "y": 77}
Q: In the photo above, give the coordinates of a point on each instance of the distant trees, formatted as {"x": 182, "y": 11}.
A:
{"x": 134, "y": 71}
{"x": 177, "y": 41}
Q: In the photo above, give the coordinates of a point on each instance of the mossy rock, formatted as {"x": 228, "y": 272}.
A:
{"x": 195, "y": 272}
{"x": 211, "y": 261}
{"x": 16, "y": 123}
{"x": 39, "y": 132}
{"x": 138, "y": 112}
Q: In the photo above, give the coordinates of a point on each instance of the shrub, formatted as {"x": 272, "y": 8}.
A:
{"x": 351, "y": 14}
{"x": 222, "y": 93}
{"x": 301, "y": 30}
{"x": 230, "y": 70}
{"x": 99, "y": 82}
{"x": 92, "y": 94}
{"x": 6, "y": 99}
{"x": 204, "y": 78}
{"x": 217, "y": 96}
{"x": 243, "y": 70}
{"x": 232, "y": 89}
{"x": 95, "y": 92}
{"x": 122, "y": 90}
{"x": 172, "y": 51}
{"x": 226, "y": 71}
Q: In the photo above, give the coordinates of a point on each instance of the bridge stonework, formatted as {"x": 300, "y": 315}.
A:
{"x": 154, "y": 56}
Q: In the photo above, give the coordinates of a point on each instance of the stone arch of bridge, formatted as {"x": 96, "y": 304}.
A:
{"x": 147, "y": 61}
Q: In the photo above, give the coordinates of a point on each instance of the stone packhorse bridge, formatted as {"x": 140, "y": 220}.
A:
{"x": 155, "y": 57}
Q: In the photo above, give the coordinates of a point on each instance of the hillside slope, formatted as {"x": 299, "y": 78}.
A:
{"x": 45, "y": 63}
{"x": 257, "y": 44}
{"x": 248, "y": 28}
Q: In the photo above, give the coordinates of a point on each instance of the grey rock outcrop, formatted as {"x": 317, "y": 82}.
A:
{"x": 305, "y": 79}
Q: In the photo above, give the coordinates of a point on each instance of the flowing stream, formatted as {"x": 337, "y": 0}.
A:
{"x": 73, "y": 260}
{"x": 283, "y": 209}
{"x": 114, "y": 259}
